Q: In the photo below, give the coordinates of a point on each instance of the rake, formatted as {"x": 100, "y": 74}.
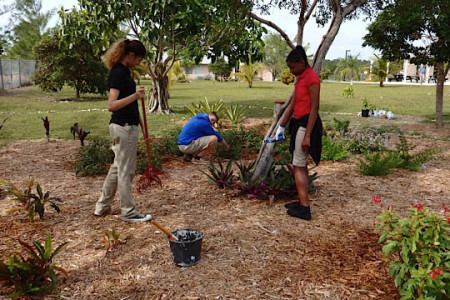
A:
{"x": 151, "y": 175}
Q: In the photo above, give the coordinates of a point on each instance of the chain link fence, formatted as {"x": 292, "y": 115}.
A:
{"x": 16, "y": 73}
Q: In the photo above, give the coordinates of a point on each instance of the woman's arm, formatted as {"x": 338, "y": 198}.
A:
{"x": 314, "y": 91}
{"x": 114, "y": 104}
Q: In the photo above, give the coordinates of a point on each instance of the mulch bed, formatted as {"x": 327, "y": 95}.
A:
{"x": 250, "y": 250}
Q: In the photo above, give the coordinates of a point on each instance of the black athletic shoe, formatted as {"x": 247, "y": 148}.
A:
{"x": 303, "y": 213}
{"x": 295, "y": 204}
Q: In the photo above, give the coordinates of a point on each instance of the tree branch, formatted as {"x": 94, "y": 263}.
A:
{"x": 268, "y": 23}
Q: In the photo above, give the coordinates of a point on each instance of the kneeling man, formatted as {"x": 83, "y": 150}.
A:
{"x": 198, "y": 136}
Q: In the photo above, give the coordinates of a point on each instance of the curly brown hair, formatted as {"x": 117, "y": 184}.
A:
{"x": 119, "y": 49}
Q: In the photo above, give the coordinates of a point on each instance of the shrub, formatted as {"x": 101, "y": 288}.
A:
{"x": 348, "y": 92}
{"x": 287, "y": 77}
{"x": 366, "y": 139}
{"x": 238, "y": 139}
{"x": 334, "y": 150}
{"x": 341, "y": 126}
{"x": 30, "y": 202}
{"x": 409, "y": 161}
{"x": 94, "y": 158}
{"x": 417, "y": 248}
{"x": 378, "y": 163}
{"x": 35, "y": 275}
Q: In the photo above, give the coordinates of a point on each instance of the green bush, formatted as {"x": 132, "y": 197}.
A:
{"x": 366, "y": 139}
{"x": 348, "y": 92}
{"x": 94, "y": 158}
{"x": 418, "y": 252}
{"x": 222, "y": 176}
{"x": 287, "y": 77}
{"x": 238, "y": 139}
{"x": 34, "y": 276}
{"x": 334, "y": 150}
{"x": 341, "y": 126}
{"x": 205, "y": 106}
{"x": 378, "y": 163}
{"x": 409, "y": 161}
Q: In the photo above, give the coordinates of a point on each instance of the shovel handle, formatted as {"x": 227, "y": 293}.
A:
{"x": 167, "y": 232}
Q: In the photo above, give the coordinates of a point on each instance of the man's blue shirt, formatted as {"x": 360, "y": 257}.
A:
{"x": 197, "y": 127}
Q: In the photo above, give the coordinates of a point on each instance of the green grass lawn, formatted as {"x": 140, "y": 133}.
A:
{"x": 27, "y": 105}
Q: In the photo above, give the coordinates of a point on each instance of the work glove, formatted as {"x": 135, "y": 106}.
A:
{"x": 280, "y": 133}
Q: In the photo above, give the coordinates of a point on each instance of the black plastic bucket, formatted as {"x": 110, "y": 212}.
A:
{"x": 186, "y": 251}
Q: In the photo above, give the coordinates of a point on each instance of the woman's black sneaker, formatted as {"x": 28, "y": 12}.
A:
{"x": 294, "y": 204}
{"x": 304, "y": 213}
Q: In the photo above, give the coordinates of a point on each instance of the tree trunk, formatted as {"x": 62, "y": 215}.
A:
{"x": 439, "y": 94}
{"x": 159, "y": 101}
{"x": 381, "y": 83}
{"x": 265, "y": 156}
{"x": 327, "y": 40}
{"x": 78, "y": 93}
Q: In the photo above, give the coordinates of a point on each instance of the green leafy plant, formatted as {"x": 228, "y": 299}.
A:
{"x": 236, "y": 114}
{"x": 33, "y": 276}
{"x": 365, "y": 103}
{"x": 252, "y": 188}
{"x": 220, "y": 175}
{"x": 409, "y": 161}
{"x": 30, "y": 202}
{"x": 94, "y": 158}
{"x": 341, "y": 127}
{"x": 112, "y": 239}
{"x": 418, "y": 251}
{"x": 348, "y": 92}
{"x": 378, "y": 163}
{"x": 205, "y": 106}
{"x": 234, "y": 140}
{"x": 334, "y": 150}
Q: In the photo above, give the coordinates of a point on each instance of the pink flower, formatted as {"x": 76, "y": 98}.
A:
{"x": 445, "y": 208}
{"x": 418, "y": 206}
{"x": 376, "y": 199}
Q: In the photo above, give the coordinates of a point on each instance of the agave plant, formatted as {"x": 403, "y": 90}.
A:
{"x": 220, "y": 175}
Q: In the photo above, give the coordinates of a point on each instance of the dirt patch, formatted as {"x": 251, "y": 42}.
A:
{"x": 250, "y": 250}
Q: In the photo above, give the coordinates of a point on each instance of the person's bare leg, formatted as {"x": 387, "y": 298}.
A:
{"x": 301, "y": 182}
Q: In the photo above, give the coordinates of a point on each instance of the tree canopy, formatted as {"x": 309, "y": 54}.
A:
{"x": 171, "y": 30}
{"x": 419, "y": 32}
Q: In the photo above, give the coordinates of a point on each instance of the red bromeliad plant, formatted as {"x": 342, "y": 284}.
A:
{"x": 418, "y": 251}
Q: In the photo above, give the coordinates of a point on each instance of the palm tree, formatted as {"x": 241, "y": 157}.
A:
{"x": 379, "y": 69}
{"x": 249, "y": 70}
{"x": 349, "y": 67}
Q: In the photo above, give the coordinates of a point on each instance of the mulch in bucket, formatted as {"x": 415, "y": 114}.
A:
{"x": 186, "y": 251}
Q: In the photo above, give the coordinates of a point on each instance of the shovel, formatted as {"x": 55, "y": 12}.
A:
{"x": 167, "y": 232}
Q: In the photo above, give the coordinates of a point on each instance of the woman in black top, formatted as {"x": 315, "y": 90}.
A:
{"x": 123, "y": 128}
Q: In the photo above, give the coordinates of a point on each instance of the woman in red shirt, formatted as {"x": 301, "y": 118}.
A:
{"x": 305, "y": 127}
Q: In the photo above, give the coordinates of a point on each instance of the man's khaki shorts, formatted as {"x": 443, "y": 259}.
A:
{"x": 195, "y": 146}
{"x": 300, "y": 157}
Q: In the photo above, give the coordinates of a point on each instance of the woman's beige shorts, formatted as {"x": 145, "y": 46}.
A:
{"x": 195, "y": 146}
{"x": 299, "y": 157}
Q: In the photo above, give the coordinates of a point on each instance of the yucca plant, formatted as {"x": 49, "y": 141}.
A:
{"x": 205, "y": 106}
{"x": 30, "y": 202}
{"x": 236, "y": 114}
{"x": 220, "y": 175}
{"x": 35, "y": 275}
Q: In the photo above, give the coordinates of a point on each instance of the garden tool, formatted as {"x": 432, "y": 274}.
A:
{"x": 151, "y": 174}
{"x": 167, "y": 232}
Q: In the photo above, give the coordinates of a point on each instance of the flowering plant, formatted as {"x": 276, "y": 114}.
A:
{"x": 418, "y": 251}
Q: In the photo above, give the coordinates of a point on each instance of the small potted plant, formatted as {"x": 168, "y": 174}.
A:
{"x": 365, "y": 110}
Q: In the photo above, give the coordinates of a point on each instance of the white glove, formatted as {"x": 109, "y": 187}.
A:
{"x": 280, "y": 133}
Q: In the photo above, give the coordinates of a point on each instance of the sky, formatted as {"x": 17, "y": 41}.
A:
{"x": 349, "y": 38}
